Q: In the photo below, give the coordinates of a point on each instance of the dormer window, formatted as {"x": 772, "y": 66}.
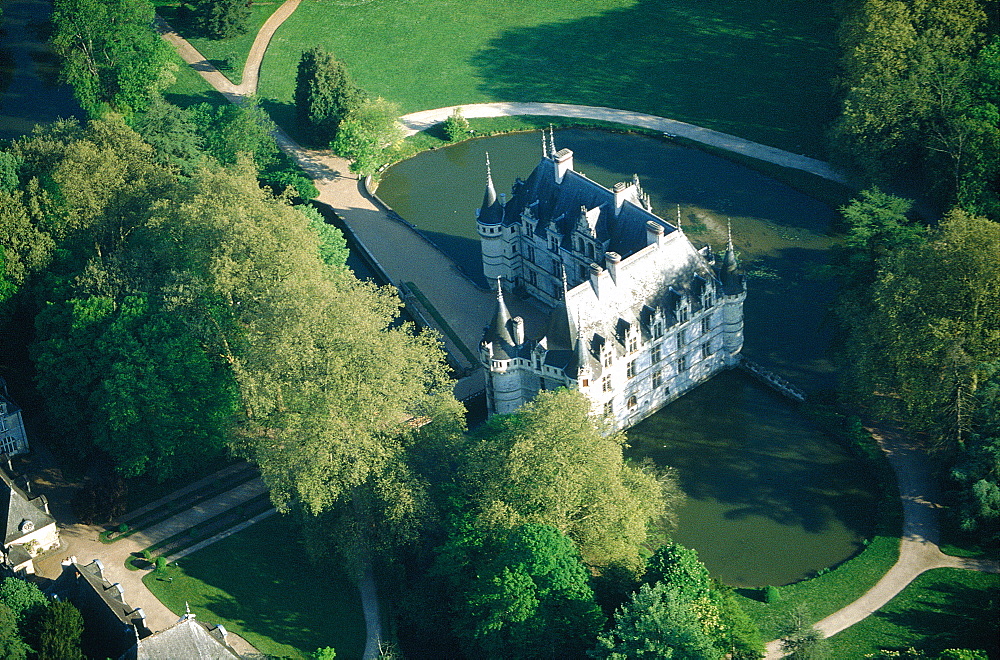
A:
{"x": 633, "y": 342}
{"x": 26, "y": 526}
{"x": 658, "y": 330}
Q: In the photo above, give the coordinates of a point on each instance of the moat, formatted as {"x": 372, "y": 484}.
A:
{"x": 771, "y": 499}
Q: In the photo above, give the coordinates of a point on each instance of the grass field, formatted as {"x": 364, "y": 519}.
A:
{"x": 259, "y": 584}
{"x": 760, "y": 70}
{"x": 943, "y": 608}
{"x": 227, "y": 55}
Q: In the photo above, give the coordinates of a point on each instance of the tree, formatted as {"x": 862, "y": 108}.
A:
{"x": 24, "y": 249}
{"x": 933, "y": 324}
{"x": 175, "y": 135}
{"x": 800, "y": 640}
{"x": 367, "y": 133}
{"x": 60, "y": 628}
{"x": 680, "y": 568}
{"x": 12, "y": 647}
{"x": 112, "y": 57}
{"x": 332, "y": 244}
{"x": 222, "y": 19}
{"x": 920, "y": 88}
{"x": 656, "y": 623}
{"x": 526, "y": 595}
{"x": 456, "y": 126}
{"x": 552, "y": 463}
{"x": 324, "y": 95}
{"x": 26, "y": 603}
{"x": 232, "y": 129}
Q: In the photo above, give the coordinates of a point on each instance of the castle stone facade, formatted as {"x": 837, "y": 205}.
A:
{"x": 638, "y": 315}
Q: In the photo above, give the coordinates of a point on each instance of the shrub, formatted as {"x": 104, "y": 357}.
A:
{"x": 123, "y": 528}
{"x": 456, "y": 126}
{"x": 771, "y": 594}
{"x": 145, "y": 554}
{"x": 161, "y": 563}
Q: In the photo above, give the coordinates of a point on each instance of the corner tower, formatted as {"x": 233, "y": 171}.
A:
{"x": 489, "y": 225}
{"x": 734, "y": 292}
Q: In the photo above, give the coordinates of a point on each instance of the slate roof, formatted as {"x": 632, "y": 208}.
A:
{"x": 16, "y": 508}
{"x": 187, "y": 639}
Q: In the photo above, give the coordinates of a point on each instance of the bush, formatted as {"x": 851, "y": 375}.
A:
{"x": 771, "y": 594}
{"x": 161, "y": 563}
{"x": 123, "y": 528}
{"x": 145, "y": 554}
{"x": 222, "y": 19}
{"x": 456, "y": 126}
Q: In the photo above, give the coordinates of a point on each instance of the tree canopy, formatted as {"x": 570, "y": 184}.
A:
{"x": 112, "y": 57}
{"x": 324, "y": 95}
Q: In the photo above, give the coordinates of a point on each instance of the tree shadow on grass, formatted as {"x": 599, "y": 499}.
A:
{"x": 759, "y": 70}
{"x": 951, "y": 615}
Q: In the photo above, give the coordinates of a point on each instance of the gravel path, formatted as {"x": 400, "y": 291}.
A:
{"x": 418, "y": 121}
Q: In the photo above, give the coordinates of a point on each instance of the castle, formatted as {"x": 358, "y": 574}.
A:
{"x": 638, "y": 314}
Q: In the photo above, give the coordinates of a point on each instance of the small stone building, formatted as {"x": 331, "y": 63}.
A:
{"x": 638, "y": 314}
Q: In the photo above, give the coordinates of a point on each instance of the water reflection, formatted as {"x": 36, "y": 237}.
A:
{"x": 29, "y": 90}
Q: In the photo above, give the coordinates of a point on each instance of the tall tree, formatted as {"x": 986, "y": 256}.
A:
{"x": 111, "y": 55}
{"x": 59, "y": 630}
{"x": 524, "y": 595}
{"x": 367, "y": 133}
{"x": 922, "y": 351}
{"x": 222, "y": 19}
{"x": 324, "y": 95}
{"x": 552, "y": 463}
{"x": 920, "y": 87}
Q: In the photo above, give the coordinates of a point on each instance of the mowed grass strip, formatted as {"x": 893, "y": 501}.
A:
{"x": 943, "y": 608}
{"x": 759, "y": 70}
{"x": 259, "y": 584}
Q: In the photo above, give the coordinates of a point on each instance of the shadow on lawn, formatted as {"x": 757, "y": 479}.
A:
{"x": 952, "y": 616}
{"x": 758, "y": 70}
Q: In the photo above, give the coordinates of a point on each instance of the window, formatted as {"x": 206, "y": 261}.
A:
{"x": 657, "y": 380}
{"x": 630, "y": 369}
{"x": 590, "y": 250}
{"x": 706, "y": 350}
{"x": 609, "y": 407}
{"x": 632, "y": 402}
{"x": 682, "y": 364}
{"x": 513, "y": 248}
{"x": 657, "y": 330}
{"x": 704, "y": 325}
{"x": 682, "y": 314}
{"x": 532, "y": 278}
{"x": 657, "y": 354}
{"x": 585, "y": 383}
{"x": 583, "y": 272}
{"x": 607, "y": 359}
{"x": 681, "y": 338}
{"x": 531, "y": 254}
{"x": 606, "y": 384}
{"x": 555, "y": 267}
{"x": 633, "y": 342}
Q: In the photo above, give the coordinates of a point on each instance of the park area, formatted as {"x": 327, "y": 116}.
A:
{"x": 757, "y": 70}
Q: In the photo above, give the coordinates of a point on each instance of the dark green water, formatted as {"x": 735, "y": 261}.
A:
{"x": 29, "y": 90}
{"x": 771, "y": 499}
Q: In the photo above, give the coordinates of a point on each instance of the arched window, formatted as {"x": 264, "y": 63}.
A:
{"x": 632, "y": 403}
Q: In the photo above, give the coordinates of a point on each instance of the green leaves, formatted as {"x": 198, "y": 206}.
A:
{"x": 324, "y": 95}
{"x": 111, "y": 55}
{"x": 367, "y": 133}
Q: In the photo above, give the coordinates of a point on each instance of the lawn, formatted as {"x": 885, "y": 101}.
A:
{"x": 227, "y": 55}
{"x": 259, "y": 584}
{"x": 760, "y": 70}
{"x": 827, "y": 593}
{"x": 943, "y": 608}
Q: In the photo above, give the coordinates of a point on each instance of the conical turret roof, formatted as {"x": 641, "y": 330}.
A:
{"x": 491, "y": 212}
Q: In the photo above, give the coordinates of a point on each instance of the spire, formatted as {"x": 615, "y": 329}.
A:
{"x": 552, "y": 142}
{"x": 679, "y": 219}
{"x": 732, "y": 281}
{"x": 729, "y": 263}
{"x": 500, "y": 327}
{"x": 491, "y": 212}
{"x": 562, "y": 268}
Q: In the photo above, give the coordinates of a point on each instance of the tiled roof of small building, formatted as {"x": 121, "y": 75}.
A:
{"x": 16, "y": 508}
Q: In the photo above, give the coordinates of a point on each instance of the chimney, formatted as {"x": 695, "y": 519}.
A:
{"x": 518, "y": 330}
{"x": 595, "y": 278}
{"x": 654, "y": 232}
{"x": 564, "y": 163}
{"x": 621, "y": 191}
{"x": 612, "y": 259}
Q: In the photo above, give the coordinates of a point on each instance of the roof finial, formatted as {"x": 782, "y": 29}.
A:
{"x": 489, "y": 175}
{"x": 679, "y": 218}
{"x": 552, "y": 141}
{"x": 729, "y": 231}
{"x": 499, "y": 290}
{"x": 562, "y": 268}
